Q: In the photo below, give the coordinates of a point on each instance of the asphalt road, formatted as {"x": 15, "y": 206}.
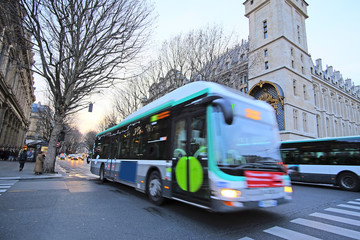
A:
{"x": 79, "y": 207}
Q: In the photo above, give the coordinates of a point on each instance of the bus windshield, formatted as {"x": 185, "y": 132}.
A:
{"x": 245, "y": 142}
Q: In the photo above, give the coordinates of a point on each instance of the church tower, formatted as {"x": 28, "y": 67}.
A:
{"x": 279, "y": 64}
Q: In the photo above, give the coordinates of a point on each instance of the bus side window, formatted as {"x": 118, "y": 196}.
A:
{"x": 105, "y": 147}
{"x": 198, "y": 137}
{"x": 118, "y": 147}
{"x": 307, "y": 158}
{"x": 351, "y": 155}
{"x": 180, "y": 139}
{"x": 153, "y": 151}
{"x": 125, "y": 146}
{"x": 156, "y": 143}
{"x": 137, "y": 140}
{"x": 114, "y": 146}
{"x": 355, "y": 158}
{"x": 298, "y": 156}
{"x": 288, "y": 157}
{"x": 321, "y": 158}
{"x": 332, "y": 158}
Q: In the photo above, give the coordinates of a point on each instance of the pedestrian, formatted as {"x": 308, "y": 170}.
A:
{"x": 39, "y": 163}
{"x": 22, "y": 159}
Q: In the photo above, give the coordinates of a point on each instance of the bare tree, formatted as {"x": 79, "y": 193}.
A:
{"x": 46, "y": 118}
{"x": 81, "y": 47}
{"x": 130, "y": 96}
{"x": 196, "y": 52}
{"x": 184, "y": 58}
{"x": 109, "y": 120}
{"x": 206, "y": 54}
{"x": 72, "y": 140}
{"x": 89, "y": 140}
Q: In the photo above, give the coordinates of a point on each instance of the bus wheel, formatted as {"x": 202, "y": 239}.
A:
{"x": 102, "y": 174}
{"x": 154, "y": 188}
{"x": 349, "y": 181}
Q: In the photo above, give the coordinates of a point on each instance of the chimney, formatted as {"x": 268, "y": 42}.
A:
{"x": 318, "y": 65}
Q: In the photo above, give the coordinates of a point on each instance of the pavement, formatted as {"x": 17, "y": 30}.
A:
{"x": 9, "y": 170}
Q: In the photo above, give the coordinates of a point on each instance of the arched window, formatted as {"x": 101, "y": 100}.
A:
{"x": 272, "y": 94}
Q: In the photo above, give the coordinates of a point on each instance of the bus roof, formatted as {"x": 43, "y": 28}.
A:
{"x": 324, "y": 139}
{"x": 181, "y": 95}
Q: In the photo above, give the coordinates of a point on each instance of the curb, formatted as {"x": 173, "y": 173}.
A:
{"x": 32, "y": 177}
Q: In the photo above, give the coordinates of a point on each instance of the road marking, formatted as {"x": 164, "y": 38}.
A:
{"x": 336, "y": 218}
{"x": 289, "y": 234}
{"x": 16, "y": 191}
{"x": 328, "y": 228}
{"x": 349, "y": 206}
{"x": 6, "y": 185}
{"x": 352, "y": 213}
{"x": 6, "y": 182}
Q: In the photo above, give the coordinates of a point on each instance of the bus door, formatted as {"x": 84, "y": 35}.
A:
{"x": 112, "y": 168}
{"x": 190, "y": 162}
{"x": 112, "y": 158}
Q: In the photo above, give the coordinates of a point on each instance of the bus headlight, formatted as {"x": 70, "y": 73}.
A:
{"x": 288, "y": 189}
{"x": 230, "y": 193}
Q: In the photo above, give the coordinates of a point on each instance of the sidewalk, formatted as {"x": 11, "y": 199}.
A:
{"x": 9, "y": 170}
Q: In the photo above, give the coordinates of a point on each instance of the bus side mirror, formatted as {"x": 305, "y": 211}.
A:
{"x": 226, "y": 109}
{"x": 224, "y": 105}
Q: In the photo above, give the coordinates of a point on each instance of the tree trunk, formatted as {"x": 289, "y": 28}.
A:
{"x": 50, "y": 159}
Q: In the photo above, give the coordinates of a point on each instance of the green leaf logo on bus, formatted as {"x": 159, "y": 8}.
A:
{"x": 195, "y": 174}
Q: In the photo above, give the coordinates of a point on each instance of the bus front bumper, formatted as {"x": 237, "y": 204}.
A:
{"x": 252, "y": 198}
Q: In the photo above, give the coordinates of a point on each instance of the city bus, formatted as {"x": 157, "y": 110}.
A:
{"x": 203, "y": 144}
{"x": 324, "y": 160}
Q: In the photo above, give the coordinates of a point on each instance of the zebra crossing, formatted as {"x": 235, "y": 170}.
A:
{"x": 6, "y": 185}
{"x": 342, "y": 221}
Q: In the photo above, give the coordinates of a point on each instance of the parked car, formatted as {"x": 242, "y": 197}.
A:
{"x": 62, "y": 156}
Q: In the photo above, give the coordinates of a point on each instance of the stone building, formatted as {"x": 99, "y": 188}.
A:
{"x": 310, "y": 102}
{"x": 40, "y": 126}
{"x": 16, "y": 80}
{"x": 274, "y": 65}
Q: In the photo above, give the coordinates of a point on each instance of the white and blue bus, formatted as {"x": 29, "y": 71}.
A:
{"x": 203, "y": 144}
{"x": 324, "y": 160}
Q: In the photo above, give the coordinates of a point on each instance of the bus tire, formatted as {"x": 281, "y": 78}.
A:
{"x": 102, "y": 174}
{"x": 154, "y": 188}
{"x": 349, "y": 181}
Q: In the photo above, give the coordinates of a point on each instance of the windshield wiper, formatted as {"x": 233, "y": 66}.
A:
{"x": 244, "y": 165}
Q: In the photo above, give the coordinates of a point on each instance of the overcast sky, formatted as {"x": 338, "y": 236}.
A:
{"x": 333, "y": 33}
